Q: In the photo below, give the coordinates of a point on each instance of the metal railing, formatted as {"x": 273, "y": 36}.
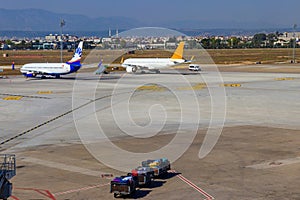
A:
{"x": 8, "y": 165}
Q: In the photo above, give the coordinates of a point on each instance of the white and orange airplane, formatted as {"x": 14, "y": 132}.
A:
{"x": 132, "y": 65}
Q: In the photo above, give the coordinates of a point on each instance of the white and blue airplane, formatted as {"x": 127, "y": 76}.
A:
{"x": 54, "y": 69}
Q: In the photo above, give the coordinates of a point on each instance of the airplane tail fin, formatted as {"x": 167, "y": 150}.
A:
{"x": 178, "y": 52}
{"x": 101, "y": 69}
{"x": 77, "y": 55}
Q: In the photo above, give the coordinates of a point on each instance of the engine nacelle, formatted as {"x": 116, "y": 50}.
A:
{"x": 30, "y": 74}
{"x": 131, "y": 69}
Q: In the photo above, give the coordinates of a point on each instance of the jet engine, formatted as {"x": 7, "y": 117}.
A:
{"x": 131, "y": 69}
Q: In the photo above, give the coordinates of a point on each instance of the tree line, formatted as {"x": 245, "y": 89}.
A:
{"x": 260, "y": 40}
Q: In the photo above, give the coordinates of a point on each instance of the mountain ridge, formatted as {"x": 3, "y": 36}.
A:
{"x": 43, "y": 20}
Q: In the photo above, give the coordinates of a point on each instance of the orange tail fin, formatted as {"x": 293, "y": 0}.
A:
{"x": 178, "y": 52}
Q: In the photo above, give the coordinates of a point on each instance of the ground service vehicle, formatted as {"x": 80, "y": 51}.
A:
{"x": 194, "y": 67}
{"x": 123, "y": 185}
{"x": 144, "y": 175}
{"x": 139, "y": 177}
{"x": 7, "y": 171}
{"x": 159, "y": 167}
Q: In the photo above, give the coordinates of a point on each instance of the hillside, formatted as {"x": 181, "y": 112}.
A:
{"x": 41, "y": 20}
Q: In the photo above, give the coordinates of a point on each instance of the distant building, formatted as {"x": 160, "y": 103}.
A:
{"x": 171, "y": 45}
{"x": 56, "y": 38}
{"x": 51, "y": 37}
{"x": 291, "y": 35}
{"x": 106, "y": 40}
{"x": 286, "y": 37}
{"x": 49, "y": 46}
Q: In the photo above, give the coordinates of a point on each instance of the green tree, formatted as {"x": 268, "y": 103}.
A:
{"x": 259, "y": 39}
{"x": 272, "y": 38}
{"x": 8, "y": 42}
{"x": 123, "y": 44}
{"x": 172, "y": 39}
{"x": 192, "y": 44}
{"x": 205, "y": 43}
{"x": 213, "y": 43}
{"x": 233, "y": 42}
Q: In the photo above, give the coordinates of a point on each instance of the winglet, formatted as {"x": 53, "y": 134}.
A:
{"x": 178, "y": 52}
{"x": 100, "y": 63}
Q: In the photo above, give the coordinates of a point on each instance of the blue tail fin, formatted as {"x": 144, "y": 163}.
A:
{"x": 77, "y": 55}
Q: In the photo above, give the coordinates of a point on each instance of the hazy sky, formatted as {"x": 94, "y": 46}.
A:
{"x": 270, "y": 12}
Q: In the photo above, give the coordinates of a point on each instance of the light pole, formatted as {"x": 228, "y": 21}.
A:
{"x": 62, "y": 23}
{"x": 294, "y": 43}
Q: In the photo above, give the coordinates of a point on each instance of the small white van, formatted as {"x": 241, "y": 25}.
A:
{"x": 194, "y": 67}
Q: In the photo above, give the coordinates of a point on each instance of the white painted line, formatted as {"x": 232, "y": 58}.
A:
{"x": 62, "y": 166}
{"x": 80, "y": 189}
{"x": 190, "y": 183}
{"x": 277, "y": 163}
